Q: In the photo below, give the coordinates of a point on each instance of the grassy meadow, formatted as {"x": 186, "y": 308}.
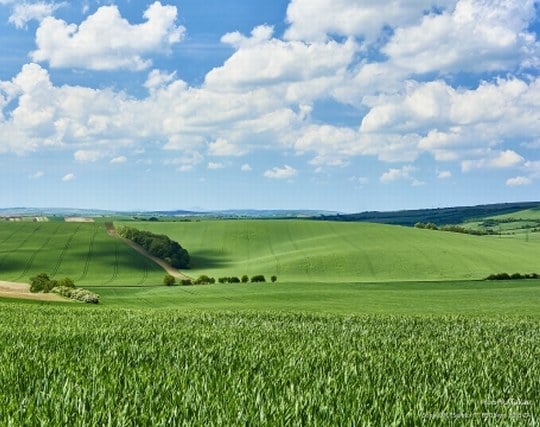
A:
{"x": 333, "y": 252}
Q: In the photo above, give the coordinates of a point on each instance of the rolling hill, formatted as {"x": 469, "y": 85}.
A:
{"x": 326, "y": 251}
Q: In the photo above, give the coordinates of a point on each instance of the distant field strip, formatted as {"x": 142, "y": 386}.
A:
{"x": 319, "y": 251}
{"x": 82, "y": 251}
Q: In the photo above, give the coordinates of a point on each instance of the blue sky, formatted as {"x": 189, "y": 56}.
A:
{"x": 346, "y": 105}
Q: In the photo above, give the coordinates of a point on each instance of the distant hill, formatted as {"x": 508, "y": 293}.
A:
{"x": 440, "y": 216}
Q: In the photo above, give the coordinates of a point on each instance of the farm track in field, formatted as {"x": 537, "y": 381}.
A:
{"x": 89, "y": 254}
{"x": 21, "y": 244}
{"x": 32, "y": 257}
{"x": 115, "y": 265}
{"x": 111, "y": 230}
{"x": 67, "y": 245}
{"x": 271, "y": 249}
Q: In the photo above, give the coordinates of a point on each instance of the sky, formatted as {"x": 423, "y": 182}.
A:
{"x": 340, "y": 105}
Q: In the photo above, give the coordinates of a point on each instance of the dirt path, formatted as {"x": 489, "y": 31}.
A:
{"x": 22, "y": 290}
{"x": 111, "y": 231}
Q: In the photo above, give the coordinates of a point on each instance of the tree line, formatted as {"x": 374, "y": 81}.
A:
{"x": 158, "y": 245}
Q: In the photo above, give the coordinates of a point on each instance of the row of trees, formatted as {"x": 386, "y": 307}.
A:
{"x": 158, "y": 245}
{"x": 169, "y": 280}
{"x": 514, "y": 276}
{"x": 454, "y": 229}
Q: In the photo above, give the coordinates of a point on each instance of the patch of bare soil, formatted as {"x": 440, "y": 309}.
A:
{"x": 22, "y": 290}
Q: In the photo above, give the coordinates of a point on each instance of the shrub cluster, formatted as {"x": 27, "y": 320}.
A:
{"x": 454, "y": 229}
{"x": 43, "y": 283}
{"x": 65, "y": 287}
{"x": 515, "y": 276}
{"x": 205, "y": 280}
{"x": 78, "y": 294}
{"x": 158, "y": 245}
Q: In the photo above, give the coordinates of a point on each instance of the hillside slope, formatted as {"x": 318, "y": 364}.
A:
{"x": 324, "y": 251}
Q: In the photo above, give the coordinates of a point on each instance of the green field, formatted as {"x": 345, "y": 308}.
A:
{"x": 367, "y": 325}
{"x": 83, "y": 252}
{"x": 332, "y": 252}
{"x": 76, "y": 367}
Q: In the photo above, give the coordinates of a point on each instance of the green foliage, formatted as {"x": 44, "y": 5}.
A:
{"x": 66, "y": 282}
{"x": 203, "y": 279}
{"x": 77, "y": 294}
{"x": 514, "y": 276}
{"x": 245, "y": 278}
{"x": 186, "y": 282}
{"x": 143, "y": 367}
{"x": 259, "y": 278}
{"x": 273, "y": 279}
{"x": 169, "y": 280}
{"x": 158, "y": 245}
{"x": 41, "y": 283}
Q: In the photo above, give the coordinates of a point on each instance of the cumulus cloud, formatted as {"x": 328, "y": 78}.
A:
{"x": 246, "y": 168}
{"x": 37, "y": 175}
{"x": 26, "y": 12}
{"x": 215, "y": 165}
{"x": 281, "y": 172}
{"x": 518, "y": 181}
{"x": 444, "y": 174}
{"x": 501, "y": 160}
{"x": 474, "y": 35}
{"x": 315, "y": 20}
{"x": 107, "y": 41}
{"x": 87, "y": 155}
{"x": 401, "y": 174}
{"x": 119, "y": 159}
{"x": 222, "y": 147}
{"x": 68, "y": 177}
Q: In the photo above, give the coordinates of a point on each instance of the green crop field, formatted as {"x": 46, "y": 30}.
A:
{"x": 82, "y": 251}
{"x": 70, "y": 366}
{"x": 367, "y": 325}
{"x": 317, "y": 251}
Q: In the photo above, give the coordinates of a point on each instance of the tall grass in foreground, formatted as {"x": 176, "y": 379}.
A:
{"x": 65, "y": 366}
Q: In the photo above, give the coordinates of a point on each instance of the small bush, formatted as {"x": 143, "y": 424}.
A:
{"x": 204, "y": 280}
{"x": 245, "y": 278}
{"x": 77, "y": 294}
{"x": 169, "y": 280}
{"x": 273, "y": 279}
{"x": 234, "y": 280}
{"x": 186, "y": 282}
{"x": 258, "y": 279}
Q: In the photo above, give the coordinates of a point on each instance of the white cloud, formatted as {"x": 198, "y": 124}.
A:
{"x": 87, "y": 155}
{"x": 314, "y": 20}
{"x": 26, "y": 12}
{"x": 281, "y": 173}
{"x": 518, "y": 181}
{"x": 261, "y": 61}
{"x": 106, "y": 41}
{"x": 444, "y": 174}
{"x": 222, "y": 147}
{"x": 119, "y": 159}
{"x": 395, "y": 174}
{"x": 158, "y": 79}
{"x": 37, "y": 175}
{"x": 215, "y": 165}
{"x": 186, "y": 162}
{"x": 495, "y": 160}
{"x": 246, "y": 168}
{"x": 475, "y": 35}
{"x": 68, "y": 177}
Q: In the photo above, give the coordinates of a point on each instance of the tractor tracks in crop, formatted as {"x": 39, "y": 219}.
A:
{"x": 32, "y": 258}
{"x": 21, "y": 244}
{"x": 353, "y": 244}
{"x": 66, "y": 247}
{"x": 89, "y": 254}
